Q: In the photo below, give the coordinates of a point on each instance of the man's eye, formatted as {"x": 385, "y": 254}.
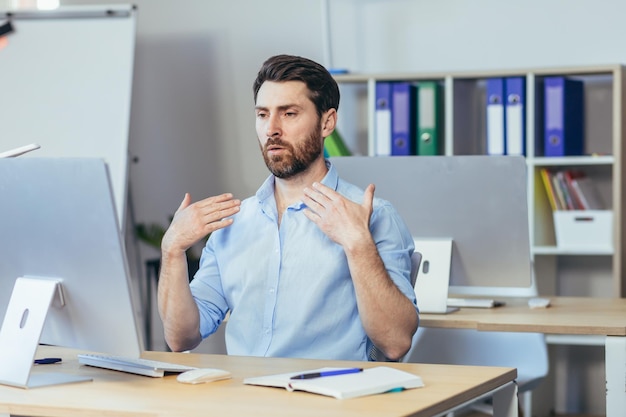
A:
{"x": 261, "y": 115}
{"x": 290, "y": 114}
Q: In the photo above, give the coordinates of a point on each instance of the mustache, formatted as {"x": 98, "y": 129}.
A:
{"x": 276, "y": 142}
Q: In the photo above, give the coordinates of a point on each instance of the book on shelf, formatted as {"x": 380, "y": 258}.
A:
{"x": 334, "y": 145}
{"x": 546, "y": 178}
{"x": 588, "y": 193}
{"x": 566, "y": 190}
{"x": 570, "y": 190}
{"x": 515, "y": 115}
{"x": 403, "y": 118}
{"x": 408, "y": 118}
{"x": 564, "y": 116}
{"x": 570, "y": 177}
{"x": 495, "y": 117}
{"x": 383, "y": 118}
{"x": 506, "y": 115}
{"x": 560, "y": 197}
{"x": 376, "y": 380}
{"x": 429, "y": 118}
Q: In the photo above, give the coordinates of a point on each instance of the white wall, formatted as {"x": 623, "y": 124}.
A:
{"x": 445, "y": 35}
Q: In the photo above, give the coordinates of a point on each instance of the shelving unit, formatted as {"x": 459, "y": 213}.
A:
{"x": 582, "y": 272}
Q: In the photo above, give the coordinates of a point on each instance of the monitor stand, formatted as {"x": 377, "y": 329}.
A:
{"x": 433, "y": 277}
{"x": 20, "y": 332}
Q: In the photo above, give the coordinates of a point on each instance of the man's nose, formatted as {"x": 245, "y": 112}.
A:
{"x": 273, "y": 127}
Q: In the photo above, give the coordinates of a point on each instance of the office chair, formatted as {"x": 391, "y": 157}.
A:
{"x": 528, "y": 352}
{"x": 416, "y": 260}
{"x": 525, "y": 351}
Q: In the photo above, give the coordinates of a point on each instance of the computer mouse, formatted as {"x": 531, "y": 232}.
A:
{"x": 538, "y": 302}
{"x": 202, "y": 375}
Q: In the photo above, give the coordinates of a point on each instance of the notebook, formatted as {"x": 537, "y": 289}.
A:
{"x": 370, "y": 381}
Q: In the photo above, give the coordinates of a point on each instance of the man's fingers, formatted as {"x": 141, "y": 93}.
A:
{"x": 368, "y": 196}
{"x": 218, "y": 198}
{"x": 325, "y": 191}
{"x": 185, "y": 203}
{"x": 220, "y": 224}
{"x": 216, "y": 211}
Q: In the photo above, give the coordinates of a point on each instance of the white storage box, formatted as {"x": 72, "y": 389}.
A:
{"x": 584, "y": 229}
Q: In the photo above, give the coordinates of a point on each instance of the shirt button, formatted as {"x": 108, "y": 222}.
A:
{"x": 271, "y": 290}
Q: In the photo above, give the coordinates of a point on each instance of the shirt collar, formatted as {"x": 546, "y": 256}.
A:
{"x": 266, "y": 191}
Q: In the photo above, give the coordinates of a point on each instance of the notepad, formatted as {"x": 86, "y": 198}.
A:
{"x": 371, "y": 381}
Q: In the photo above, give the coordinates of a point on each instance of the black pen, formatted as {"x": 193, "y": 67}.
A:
{"x": 47, "y": 361}
{"x": 328, "y": 373}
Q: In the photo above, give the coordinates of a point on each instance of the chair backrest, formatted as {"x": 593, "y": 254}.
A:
{"x": 416, "y": 260}
{"x": 527, "y": 352}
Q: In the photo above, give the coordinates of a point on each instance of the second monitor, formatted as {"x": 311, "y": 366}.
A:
{"x": 480, "y": 202}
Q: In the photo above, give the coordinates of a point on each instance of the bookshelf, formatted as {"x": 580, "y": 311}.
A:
{"x": 579, "y": 272}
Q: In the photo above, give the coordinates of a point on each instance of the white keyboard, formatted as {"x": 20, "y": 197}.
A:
{"x": 137, "y": 366}
{"x": 473, "y": 302}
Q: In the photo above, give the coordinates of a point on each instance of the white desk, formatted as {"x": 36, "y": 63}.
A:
{"x": 605, "y": 317}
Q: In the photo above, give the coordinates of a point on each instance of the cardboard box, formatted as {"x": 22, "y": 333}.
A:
{"x": 584, "y": 229}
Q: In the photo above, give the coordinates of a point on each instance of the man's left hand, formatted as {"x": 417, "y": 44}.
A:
{"x": 342, "y": 220}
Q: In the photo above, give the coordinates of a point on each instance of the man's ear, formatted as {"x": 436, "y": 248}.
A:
{"x": 329, "y": 121}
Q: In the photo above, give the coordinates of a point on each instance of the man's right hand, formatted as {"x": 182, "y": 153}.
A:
{"x": 194, "y": 221}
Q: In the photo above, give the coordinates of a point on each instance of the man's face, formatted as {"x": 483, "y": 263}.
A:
{"x": 288, "y": 128}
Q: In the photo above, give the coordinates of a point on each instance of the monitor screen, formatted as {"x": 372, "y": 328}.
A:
{"x": 59, "y": 223}
{"x": 480, "y": 202}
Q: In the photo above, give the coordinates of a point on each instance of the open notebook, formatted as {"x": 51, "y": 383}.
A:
{"x": 370, "y": 381}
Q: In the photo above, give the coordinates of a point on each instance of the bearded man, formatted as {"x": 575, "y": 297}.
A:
{"x": 310, "y": 266}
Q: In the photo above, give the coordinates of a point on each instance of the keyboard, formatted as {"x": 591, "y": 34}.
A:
{"x": 137, "y": 366}
{"x": 474, "y": 302}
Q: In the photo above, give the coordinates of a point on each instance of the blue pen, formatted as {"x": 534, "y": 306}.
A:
{"x": 328, "y": 373}
{"x": 47, "y": 361}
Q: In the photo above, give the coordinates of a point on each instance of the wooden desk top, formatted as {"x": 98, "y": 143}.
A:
{"x": 122, "y": 394}
{"x": 566, "y": 315}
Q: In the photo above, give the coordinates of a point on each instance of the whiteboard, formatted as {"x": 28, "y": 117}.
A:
{"x": 66, "y": 78}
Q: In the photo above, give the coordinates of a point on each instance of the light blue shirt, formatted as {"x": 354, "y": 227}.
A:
{"x": 288, "y": 289}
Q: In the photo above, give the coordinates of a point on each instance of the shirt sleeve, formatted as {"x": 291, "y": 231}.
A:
{"x": 395, "y": 246}
{"x": 206, "y": 288}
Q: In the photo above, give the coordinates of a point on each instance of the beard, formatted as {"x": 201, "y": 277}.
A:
{"x": 296, "y": 159}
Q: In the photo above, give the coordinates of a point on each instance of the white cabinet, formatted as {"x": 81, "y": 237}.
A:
{"x": 581, "y": 272}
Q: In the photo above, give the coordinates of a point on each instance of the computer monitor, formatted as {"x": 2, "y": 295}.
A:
{"x": 480, "y": 202}
{"x": 59, "y": 225}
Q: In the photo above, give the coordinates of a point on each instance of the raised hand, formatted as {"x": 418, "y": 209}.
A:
{"x": 342, "y": 220}
{"x": 193, "y": 221}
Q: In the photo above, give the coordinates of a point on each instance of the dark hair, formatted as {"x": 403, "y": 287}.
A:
{"x": 323, "y": 89}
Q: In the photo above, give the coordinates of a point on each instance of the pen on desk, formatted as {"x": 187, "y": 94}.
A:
{"x": 328, "y": 373}
{"x": 47, "y": 361}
